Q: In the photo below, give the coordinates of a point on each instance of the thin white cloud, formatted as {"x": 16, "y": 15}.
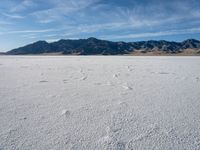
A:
{"x": 51, "y": 40}
{"x": 40, "y": 36}
{"x": 155, "y": 34}
{"x": 22, "y": 6}
{"x": 29, "y": 31}
{"x": 57, "y": 39}
{"x": 13, "y": 16}
{"x": 61, "y": 9}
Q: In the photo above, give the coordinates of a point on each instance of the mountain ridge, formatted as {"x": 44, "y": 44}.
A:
{"x": 94, "y": 46}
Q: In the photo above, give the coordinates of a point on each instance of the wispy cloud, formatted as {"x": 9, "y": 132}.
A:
{"x": 112, "y": 19}
{"x": 51, "y": 40}
{"x": 38, "y": 35}
{"x": 29, "y": 31}
{"x": 154, "y": 34}
{"x": 22, "y": 6}
{"x": 13, "y": 16}
{"x": 61, "y": 9}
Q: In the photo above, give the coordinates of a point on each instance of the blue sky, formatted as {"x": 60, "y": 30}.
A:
{"x": 26, "y": 21}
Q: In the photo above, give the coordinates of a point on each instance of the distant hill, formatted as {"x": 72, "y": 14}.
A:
{"x": 93, "y": 46}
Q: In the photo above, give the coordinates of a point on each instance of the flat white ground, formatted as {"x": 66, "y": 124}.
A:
{"x": 99, "y": 102}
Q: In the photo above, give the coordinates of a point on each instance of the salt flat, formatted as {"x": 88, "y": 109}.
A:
{"x": 99, "y": 102}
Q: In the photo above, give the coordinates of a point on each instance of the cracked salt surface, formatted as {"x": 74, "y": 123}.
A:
{"x": 116, "y": 103}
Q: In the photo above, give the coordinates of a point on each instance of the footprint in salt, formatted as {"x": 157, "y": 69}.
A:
{"x": 81, "y": 70}
{"x": 64, "y": 81}
{"x": 43, "y": 81}
{"x": 122, "y": 94}
{"x": 115, "y": 75}
{"x": 120, "y": 146}
{"x": 84, "y": 78}
{"x": 121, "y": 103}
{"x": 65, "y": 112}
{"x": 126, "y": 87}
{"x": 163, "y": 73}
{"x": 129, "y": 68}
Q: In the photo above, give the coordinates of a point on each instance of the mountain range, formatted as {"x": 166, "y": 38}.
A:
{"x": 94, "y": 46}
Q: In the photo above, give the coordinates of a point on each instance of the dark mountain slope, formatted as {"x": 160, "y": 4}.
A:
{"x": 35, "y": 48}
{"x": 93, "y": 46}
